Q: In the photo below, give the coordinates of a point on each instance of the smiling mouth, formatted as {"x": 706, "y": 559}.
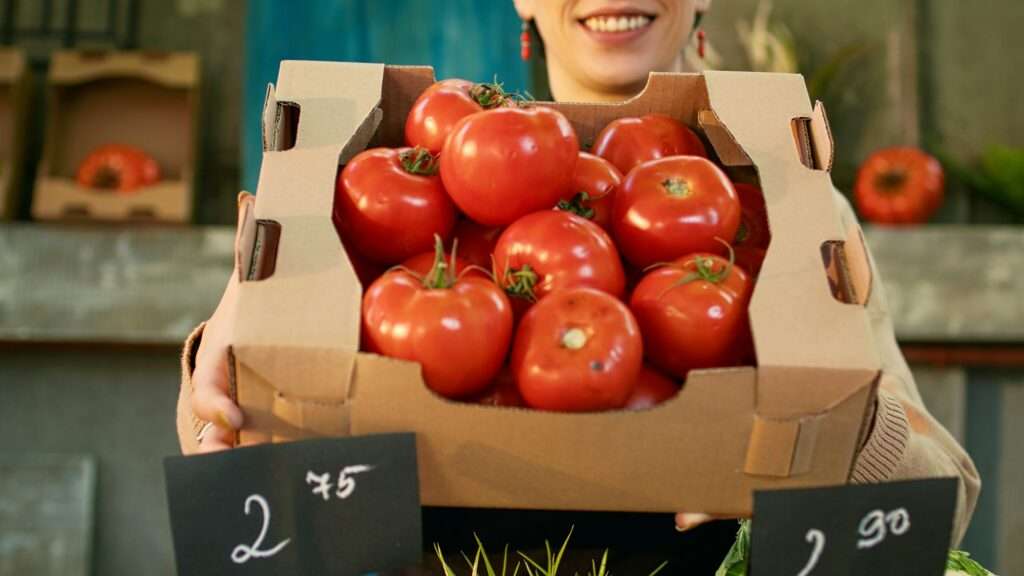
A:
{"x": 616, "y": 23}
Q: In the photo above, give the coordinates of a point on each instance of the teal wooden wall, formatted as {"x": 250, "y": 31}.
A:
{"x": 473, "y": 39}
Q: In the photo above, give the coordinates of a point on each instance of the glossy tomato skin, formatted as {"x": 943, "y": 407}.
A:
{"x": 440, "y": 107}
{"x": 697, "y": 324}
{"x": 366, "y": 270}
{"x": 593, "y": 190}
{"x": 564, "y": 250}
{"x": 502, "y": 164}
{"x": 672, "y": 207}
{"x": 385, "y": 212}
{"x": 629, "y": 142}
{"x": 753, "y": 236}
{"x": 501, "y": 392}
{"x": 652, "y": 388}
{"x": 118, "y": 167}
{"x": 476, "y": 242}
{"x": 577, "y": 350}
{"x": 403, "y": 319}
{"x": 899, "y": 186}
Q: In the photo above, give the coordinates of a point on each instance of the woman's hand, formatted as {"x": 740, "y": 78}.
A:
{"x": 211, "y": 401}
{"x": 690, "y": 520}
{"x": 210, "y": 383}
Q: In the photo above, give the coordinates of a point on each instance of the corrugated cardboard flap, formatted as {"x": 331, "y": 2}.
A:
{"x": 291, "y": 393}
{"x": 176, "y": 70}
{"x": 312, "y": 299}
{"x": 829, "y": 353}
{"x": 305, "y": 375}
{"x": 821, "y": 137}
{"x": 758, "y": 109}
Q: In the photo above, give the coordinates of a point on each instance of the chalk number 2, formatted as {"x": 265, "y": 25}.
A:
{"x": 242, "y": 553}
{"x": 874, "y": 527}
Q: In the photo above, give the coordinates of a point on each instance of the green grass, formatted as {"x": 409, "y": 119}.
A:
{"x": 480, "y": 564}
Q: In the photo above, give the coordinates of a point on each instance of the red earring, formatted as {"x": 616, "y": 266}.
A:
{"x": 701, "y": 43}
{"x": 524, "y": 42}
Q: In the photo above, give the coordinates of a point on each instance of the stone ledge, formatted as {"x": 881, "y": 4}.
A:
{"x": 69, "y": 284}
{"x": 73, "y": 284}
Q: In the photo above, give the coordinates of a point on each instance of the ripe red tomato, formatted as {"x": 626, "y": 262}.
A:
{"x": 552, "y": 250}
{"x": 502, "y": 164}
{"x": 652, "y": 388}
{"x": 442, "y": 105}
{"x": 476, "y": 242}
{"x": 502, "y": 392}
{"x": 753, "y": 236}
{"x": 672, "y": 207}
{"x": 899, "y": 186}
{"x": 408, "y": 318}
{"x": 577, "y": 350}
{"x": 118, "y": 167}
{"x": 693, "y": 314}
{"x": 366, "y": 271}
{"x": 629, "y": 142}
{"x": 389, "y": 203}
{"x": 593, "y": 186}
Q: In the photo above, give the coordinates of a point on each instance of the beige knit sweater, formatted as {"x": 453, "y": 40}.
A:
{"x": 905, "y": 441}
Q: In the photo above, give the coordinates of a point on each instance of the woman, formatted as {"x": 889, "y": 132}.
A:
{"x": 603, "y": 50}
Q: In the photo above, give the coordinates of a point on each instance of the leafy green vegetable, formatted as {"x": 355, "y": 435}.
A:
{"x": 960, "y": 561}
{"x": 737, "y": 561}
{"x": 998, "y": 176}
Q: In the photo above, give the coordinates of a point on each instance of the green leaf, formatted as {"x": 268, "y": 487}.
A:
{"x": 659, "y": 569}
{"x": 737, "y": 561}
{"x": 961, "y": 561}
{"x": 444, "y": 565}
{"x": 480, "y": 551}
{"x": 825, "y": 76}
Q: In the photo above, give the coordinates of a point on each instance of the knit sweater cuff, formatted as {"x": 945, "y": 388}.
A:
{"x": 885, "y": 447}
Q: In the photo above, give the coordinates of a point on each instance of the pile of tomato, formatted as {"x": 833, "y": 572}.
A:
{"x": 118, "y": 167}
{"x": 518, "y": 270}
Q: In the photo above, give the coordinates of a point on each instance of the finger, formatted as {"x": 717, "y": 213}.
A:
{"x": 210, "y": 399}
{"x": 690, "y": 520}
{"x": 211, "y": 404}
{"x": 216, "y": 439}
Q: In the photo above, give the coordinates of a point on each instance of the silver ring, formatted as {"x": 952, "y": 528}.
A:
{"x": 202, "y": 431}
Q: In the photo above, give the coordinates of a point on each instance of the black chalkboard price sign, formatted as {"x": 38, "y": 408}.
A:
{"x": 898, "y": 528}
{"x": 344, "y": 506}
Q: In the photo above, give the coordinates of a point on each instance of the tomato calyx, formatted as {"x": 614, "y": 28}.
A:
{"x": 107, "y": 178}
{"x": 420, "y": 162}
{"x": 520, "y": 283}
{"x": 577, "y": 205}
{"x": 677, "y": 187}
{"x": 490, "y": 95}
{"x": 704, "y": 271}
{"x": 891, "y": 181}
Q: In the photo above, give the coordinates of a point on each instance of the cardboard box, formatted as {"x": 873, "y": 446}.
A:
{"x": 15, "y": 86}
{"x": 793, "y": 420}
{"x": 147, "y": 100}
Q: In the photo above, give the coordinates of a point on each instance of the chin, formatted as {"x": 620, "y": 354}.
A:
{"x": 629, "y": 76}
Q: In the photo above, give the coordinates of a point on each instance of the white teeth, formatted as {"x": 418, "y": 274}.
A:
{"x": 616, "y": 23}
